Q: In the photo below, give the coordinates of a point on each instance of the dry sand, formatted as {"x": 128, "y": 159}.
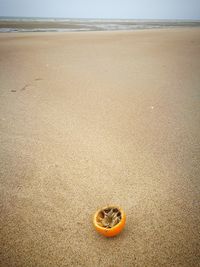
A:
{"x": 88, "y": 119}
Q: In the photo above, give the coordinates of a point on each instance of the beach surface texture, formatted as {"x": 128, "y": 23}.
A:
{"x": 97, "y": 118}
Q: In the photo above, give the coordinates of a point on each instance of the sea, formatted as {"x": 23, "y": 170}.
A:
{"x": 24, "y": 24}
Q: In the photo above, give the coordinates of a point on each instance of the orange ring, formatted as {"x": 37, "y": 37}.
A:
{"x": 115, "y": 230}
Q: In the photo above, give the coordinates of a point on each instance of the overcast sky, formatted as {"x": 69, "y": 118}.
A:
{"x": 135, "y": 9}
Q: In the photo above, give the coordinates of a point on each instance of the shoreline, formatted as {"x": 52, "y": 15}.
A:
{"x": 68, "y": 25}
{"x": 175, "y": 29}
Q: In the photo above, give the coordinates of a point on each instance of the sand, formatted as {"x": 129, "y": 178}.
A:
{"x": 89, "y": 119}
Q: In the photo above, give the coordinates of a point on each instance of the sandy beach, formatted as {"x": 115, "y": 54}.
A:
{"x": 89, "y": 119}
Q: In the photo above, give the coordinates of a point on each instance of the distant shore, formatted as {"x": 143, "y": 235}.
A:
{"x": 96, "y": 118}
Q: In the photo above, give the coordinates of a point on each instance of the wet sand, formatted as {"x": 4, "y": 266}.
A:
{"x": 89, "y": 119}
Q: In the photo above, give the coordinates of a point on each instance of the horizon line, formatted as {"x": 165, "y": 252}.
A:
{"x": 98, "y": 18}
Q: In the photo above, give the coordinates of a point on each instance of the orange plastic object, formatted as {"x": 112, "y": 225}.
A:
{"x": 109, "y": 225}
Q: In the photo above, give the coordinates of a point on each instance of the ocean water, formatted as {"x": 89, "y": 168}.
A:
{"x": 13, "y": 24}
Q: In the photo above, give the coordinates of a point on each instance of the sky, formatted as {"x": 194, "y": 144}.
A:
{"x": 124, "y": 9}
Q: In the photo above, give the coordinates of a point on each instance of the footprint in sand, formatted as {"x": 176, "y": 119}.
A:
{"x": 25, "y": 87}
